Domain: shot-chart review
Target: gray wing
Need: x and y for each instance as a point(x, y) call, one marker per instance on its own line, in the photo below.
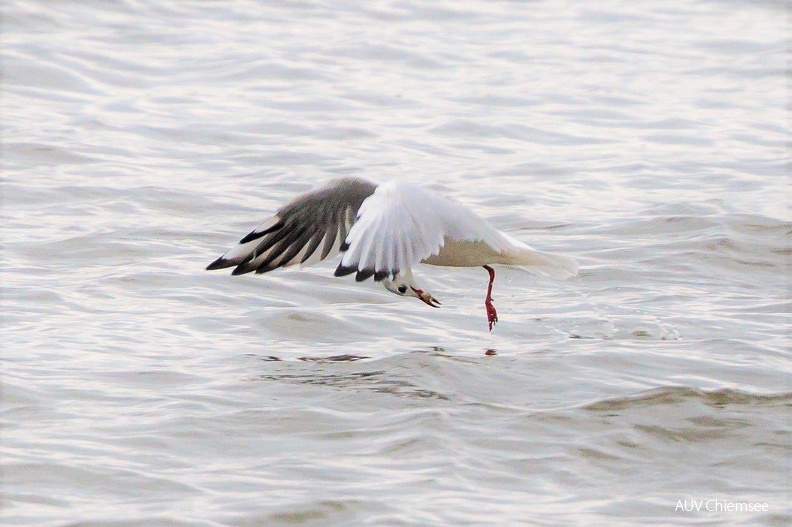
point(321, 217)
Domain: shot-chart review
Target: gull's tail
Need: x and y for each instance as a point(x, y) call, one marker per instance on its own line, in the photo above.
point(548, 264)
point(539, 262)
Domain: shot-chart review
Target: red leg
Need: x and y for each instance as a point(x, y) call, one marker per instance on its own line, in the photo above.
point(492, 315)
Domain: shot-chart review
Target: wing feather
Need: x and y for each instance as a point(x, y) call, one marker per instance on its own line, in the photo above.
point(401, 224)
point(298, 229)
point(311, 247)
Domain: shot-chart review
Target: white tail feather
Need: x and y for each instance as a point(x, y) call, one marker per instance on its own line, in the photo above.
point(553, 265)
point(542, 263)
point(538, 262)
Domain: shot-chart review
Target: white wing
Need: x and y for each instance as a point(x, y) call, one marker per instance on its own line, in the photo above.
point(401, 224)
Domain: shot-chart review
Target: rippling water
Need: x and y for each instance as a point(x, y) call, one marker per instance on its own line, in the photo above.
point(650, 140)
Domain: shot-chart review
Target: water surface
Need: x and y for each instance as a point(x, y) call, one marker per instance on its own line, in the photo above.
point(649, 140)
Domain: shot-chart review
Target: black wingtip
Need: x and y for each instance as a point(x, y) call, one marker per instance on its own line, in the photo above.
point(379, 276)
point(256, 235)
point(220, 263)
point(343, 270)
point(364, 274)
point(344, 247)
point(240, 269)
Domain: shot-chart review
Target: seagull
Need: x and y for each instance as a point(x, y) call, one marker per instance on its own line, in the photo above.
point(383, 230)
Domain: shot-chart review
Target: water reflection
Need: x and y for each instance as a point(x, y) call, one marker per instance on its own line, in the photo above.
point(378, 381)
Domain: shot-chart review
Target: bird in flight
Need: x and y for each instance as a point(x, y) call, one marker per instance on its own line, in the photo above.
point(383, 230)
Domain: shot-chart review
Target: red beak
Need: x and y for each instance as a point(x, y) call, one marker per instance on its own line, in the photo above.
point(428, 299)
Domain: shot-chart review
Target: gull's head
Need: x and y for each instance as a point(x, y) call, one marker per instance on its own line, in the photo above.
point(406, 286)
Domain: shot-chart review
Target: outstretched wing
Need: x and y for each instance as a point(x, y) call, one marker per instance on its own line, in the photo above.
point(401, 224)
point(319, 218)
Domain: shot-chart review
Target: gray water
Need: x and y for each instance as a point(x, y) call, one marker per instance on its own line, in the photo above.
point(649, 140)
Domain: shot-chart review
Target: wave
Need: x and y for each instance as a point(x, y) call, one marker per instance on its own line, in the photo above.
point(678, 394)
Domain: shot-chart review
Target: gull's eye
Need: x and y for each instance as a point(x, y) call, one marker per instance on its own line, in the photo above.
point(402, 289)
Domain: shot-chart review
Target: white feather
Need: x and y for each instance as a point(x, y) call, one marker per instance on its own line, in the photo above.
point(402, 224)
